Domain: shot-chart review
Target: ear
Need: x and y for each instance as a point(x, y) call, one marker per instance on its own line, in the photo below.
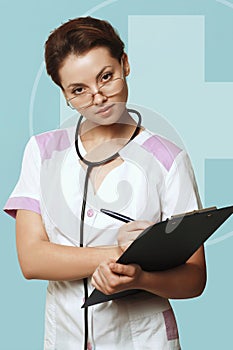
point(126, 65)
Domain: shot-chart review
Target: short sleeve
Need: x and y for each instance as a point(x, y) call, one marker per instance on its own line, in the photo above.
point(180, 191)
point(26, 194)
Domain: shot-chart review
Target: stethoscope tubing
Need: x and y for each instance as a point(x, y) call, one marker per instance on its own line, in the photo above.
point(90, 166)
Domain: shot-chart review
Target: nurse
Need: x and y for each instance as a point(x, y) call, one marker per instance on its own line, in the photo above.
point(107, 160)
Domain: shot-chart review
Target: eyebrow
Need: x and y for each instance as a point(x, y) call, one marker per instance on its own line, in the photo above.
point(97, 77)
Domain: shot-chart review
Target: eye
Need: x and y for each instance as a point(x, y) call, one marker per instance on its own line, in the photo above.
point(79, 90)
point(106, 77)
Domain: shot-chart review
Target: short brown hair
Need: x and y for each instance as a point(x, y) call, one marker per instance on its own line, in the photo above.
point(78, 36)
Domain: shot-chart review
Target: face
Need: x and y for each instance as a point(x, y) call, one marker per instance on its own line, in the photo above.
point(86, 74)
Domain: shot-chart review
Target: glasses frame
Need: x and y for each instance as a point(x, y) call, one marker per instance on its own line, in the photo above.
point(98, 91)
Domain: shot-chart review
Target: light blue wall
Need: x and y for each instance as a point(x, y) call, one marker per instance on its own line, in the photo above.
point(181, 56)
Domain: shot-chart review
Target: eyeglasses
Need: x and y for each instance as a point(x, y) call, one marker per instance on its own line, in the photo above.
point(85, 99)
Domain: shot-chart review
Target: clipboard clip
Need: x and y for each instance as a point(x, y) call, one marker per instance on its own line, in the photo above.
point(194, 212)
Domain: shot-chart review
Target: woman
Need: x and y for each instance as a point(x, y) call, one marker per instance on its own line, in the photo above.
point(108, 161)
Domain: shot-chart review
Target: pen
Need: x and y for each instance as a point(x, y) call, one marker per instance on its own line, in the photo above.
point(117, 216)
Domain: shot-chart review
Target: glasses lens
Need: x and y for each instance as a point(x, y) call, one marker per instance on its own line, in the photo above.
point(81, 101)
point(112, 87)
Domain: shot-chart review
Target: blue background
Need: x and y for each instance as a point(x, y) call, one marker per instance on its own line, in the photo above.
point(181, 56)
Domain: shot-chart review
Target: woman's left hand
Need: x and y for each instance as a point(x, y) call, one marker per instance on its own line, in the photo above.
point(111, 277)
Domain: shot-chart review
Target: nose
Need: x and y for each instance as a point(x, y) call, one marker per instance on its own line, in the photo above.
point(99, 98)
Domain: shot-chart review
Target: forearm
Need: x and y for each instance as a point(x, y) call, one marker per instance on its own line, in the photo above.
point(49, 261)
point(41, 259)
point(185, 281)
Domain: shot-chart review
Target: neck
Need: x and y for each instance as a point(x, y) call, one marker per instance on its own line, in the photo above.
point(95, 132)
point(101, 142)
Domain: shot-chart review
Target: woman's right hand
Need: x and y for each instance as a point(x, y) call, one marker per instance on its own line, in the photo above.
point(130, 231)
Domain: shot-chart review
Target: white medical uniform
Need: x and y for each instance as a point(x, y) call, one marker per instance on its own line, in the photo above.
point(154, 181)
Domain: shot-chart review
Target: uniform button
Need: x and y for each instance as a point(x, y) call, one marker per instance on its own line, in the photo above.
point(90, 213)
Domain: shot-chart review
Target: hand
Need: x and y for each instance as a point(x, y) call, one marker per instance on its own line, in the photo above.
point(110, 277)
point(130, 231)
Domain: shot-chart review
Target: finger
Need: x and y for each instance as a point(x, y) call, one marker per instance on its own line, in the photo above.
point(128, 240)
point(133, 234)
point(127, 237)
point(95, 280)
point(120, 269)
point(108, 283)
point(101, 273)
point(138, 225)
point(99, 281)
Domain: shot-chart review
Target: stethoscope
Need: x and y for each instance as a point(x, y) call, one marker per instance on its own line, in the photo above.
point(90, 166)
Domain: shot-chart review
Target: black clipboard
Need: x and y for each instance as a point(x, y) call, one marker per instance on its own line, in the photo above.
point(168, 244)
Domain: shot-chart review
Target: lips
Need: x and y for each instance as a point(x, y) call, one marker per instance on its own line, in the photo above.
point(104, 109)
